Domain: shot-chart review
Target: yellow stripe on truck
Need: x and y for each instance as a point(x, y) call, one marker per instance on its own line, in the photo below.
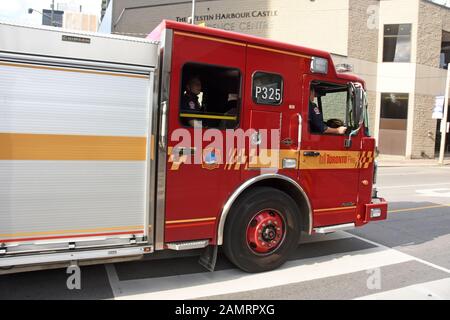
point(273, 158)
point(207, 116)
point(331, 160)
point(19, 146)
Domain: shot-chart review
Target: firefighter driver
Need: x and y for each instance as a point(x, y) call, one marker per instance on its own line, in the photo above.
point(190, 100)
point(316, 119)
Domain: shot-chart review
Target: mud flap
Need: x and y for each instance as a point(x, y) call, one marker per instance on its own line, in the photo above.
point(209, 258)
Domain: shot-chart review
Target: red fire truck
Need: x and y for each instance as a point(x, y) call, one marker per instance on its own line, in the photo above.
point(107, 153)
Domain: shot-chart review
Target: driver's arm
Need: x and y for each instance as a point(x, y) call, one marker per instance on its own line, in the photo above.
point(340, 130)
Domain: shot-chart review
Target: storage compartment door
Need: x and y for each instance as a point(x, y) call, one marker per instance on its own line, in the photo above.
point(73, 156)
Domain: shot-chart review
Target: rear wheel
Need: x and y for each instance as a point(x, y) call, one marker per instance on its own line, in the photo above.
point(261, 230)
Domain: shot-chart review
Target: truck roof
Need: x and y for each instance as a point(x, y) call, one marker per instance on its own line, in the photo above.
point(249, 39)
point(74, 44)
point(77, 32)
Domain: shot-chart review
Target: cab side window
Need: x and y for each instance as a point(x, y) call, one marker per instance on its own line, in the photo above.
point(328, 107)
point(210, 96)
point(334, 107)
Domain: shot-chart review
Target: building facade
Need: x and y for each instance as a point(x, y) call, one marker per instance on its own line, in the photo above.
point(400, 47)
point(76, 19)
point(80, 21)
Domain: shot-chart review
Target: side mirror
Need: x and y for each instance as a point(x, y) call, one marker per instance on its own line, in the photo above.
point(358, 104)
point(358, 98)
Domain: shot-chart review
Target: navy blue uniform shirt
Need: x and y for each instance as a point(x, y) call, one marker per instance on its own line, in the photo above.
point(315, 119)
point(190, 103)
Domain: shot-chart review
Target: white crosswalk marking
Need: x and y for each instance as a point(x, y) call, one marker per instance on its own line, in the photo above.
point(433, 290)
point(231, 281)
point(204, 284)
point(413, 185)
point(440, 192)
point(411, 257)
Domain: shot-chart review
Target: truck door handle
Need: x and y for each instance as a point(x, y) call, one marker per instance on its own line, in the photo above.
point(311, 154)
point(163, 130)
point(299, 136)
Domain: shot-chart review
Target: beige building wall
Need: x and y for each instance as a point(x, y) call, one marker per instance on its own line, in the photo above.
point(306, 23)
point(430, 80)
point(301, 22)
point(363, 30)
point(363, 48)
point(397, 77)
point(80, 21)
point(421, 78)
point(423, 143)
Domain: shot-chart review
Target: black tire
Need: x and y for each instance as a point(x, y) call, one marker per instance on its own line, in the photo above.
point(235, 243)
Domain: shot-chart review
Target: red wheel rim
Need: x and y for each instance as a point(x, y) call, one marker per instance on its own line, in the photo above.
point(266, 231)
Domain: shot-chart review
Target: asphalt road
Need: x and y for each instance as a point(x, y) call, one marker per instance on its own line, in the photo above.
point(404, 257)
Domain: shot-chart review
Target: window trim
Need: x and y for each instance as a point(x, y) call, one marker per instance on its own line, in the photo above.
point(180, 111)
point(282, 88)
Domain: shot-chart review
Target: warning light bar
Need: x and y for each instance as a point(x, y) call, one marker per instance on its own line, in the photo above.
point(344, 67)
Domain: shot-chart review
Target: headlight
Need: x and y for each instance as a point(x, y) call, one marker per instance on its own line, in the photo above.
point(375, 213)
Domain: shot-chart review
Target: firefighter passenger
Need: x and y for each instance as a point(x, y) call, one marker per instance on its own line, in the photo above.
point(190, 100)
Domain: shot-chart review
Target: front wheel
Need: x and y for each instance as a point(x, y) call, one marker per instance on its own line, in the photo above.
point(262, 229)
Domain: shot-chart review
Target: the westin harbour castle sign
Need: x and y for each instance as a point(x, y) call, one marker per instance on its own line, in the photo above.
point(236, 21)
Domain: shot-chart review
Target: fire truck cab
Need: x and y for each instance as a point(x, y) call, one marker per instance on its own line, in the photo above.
point(193, 138)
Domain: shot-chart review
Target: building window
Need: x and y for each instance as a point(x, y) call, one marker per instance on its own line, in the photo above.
point(445, 50)
point(267, 88)
point(397, 43)
point(393, 123)
point(210, 96)
point(394, 106)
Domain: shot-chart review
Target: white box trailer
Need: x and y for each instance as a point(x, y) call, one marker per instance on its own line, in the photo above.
point(75, 132)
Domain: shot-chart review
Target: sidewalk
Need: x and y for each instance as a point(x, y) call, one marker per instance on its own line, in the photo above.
point(400, 161)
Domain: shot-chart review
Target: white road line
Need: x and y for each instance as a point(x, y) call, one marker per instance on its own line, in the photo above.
point(411, 173)
point(115, 283)
point(113, 279)
point(191, 286)
point(410, 256)
point(413, 185)
point(414, 173)
point(433, 193)
point(402, 174)
point(233, 280)
point(433, 290)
